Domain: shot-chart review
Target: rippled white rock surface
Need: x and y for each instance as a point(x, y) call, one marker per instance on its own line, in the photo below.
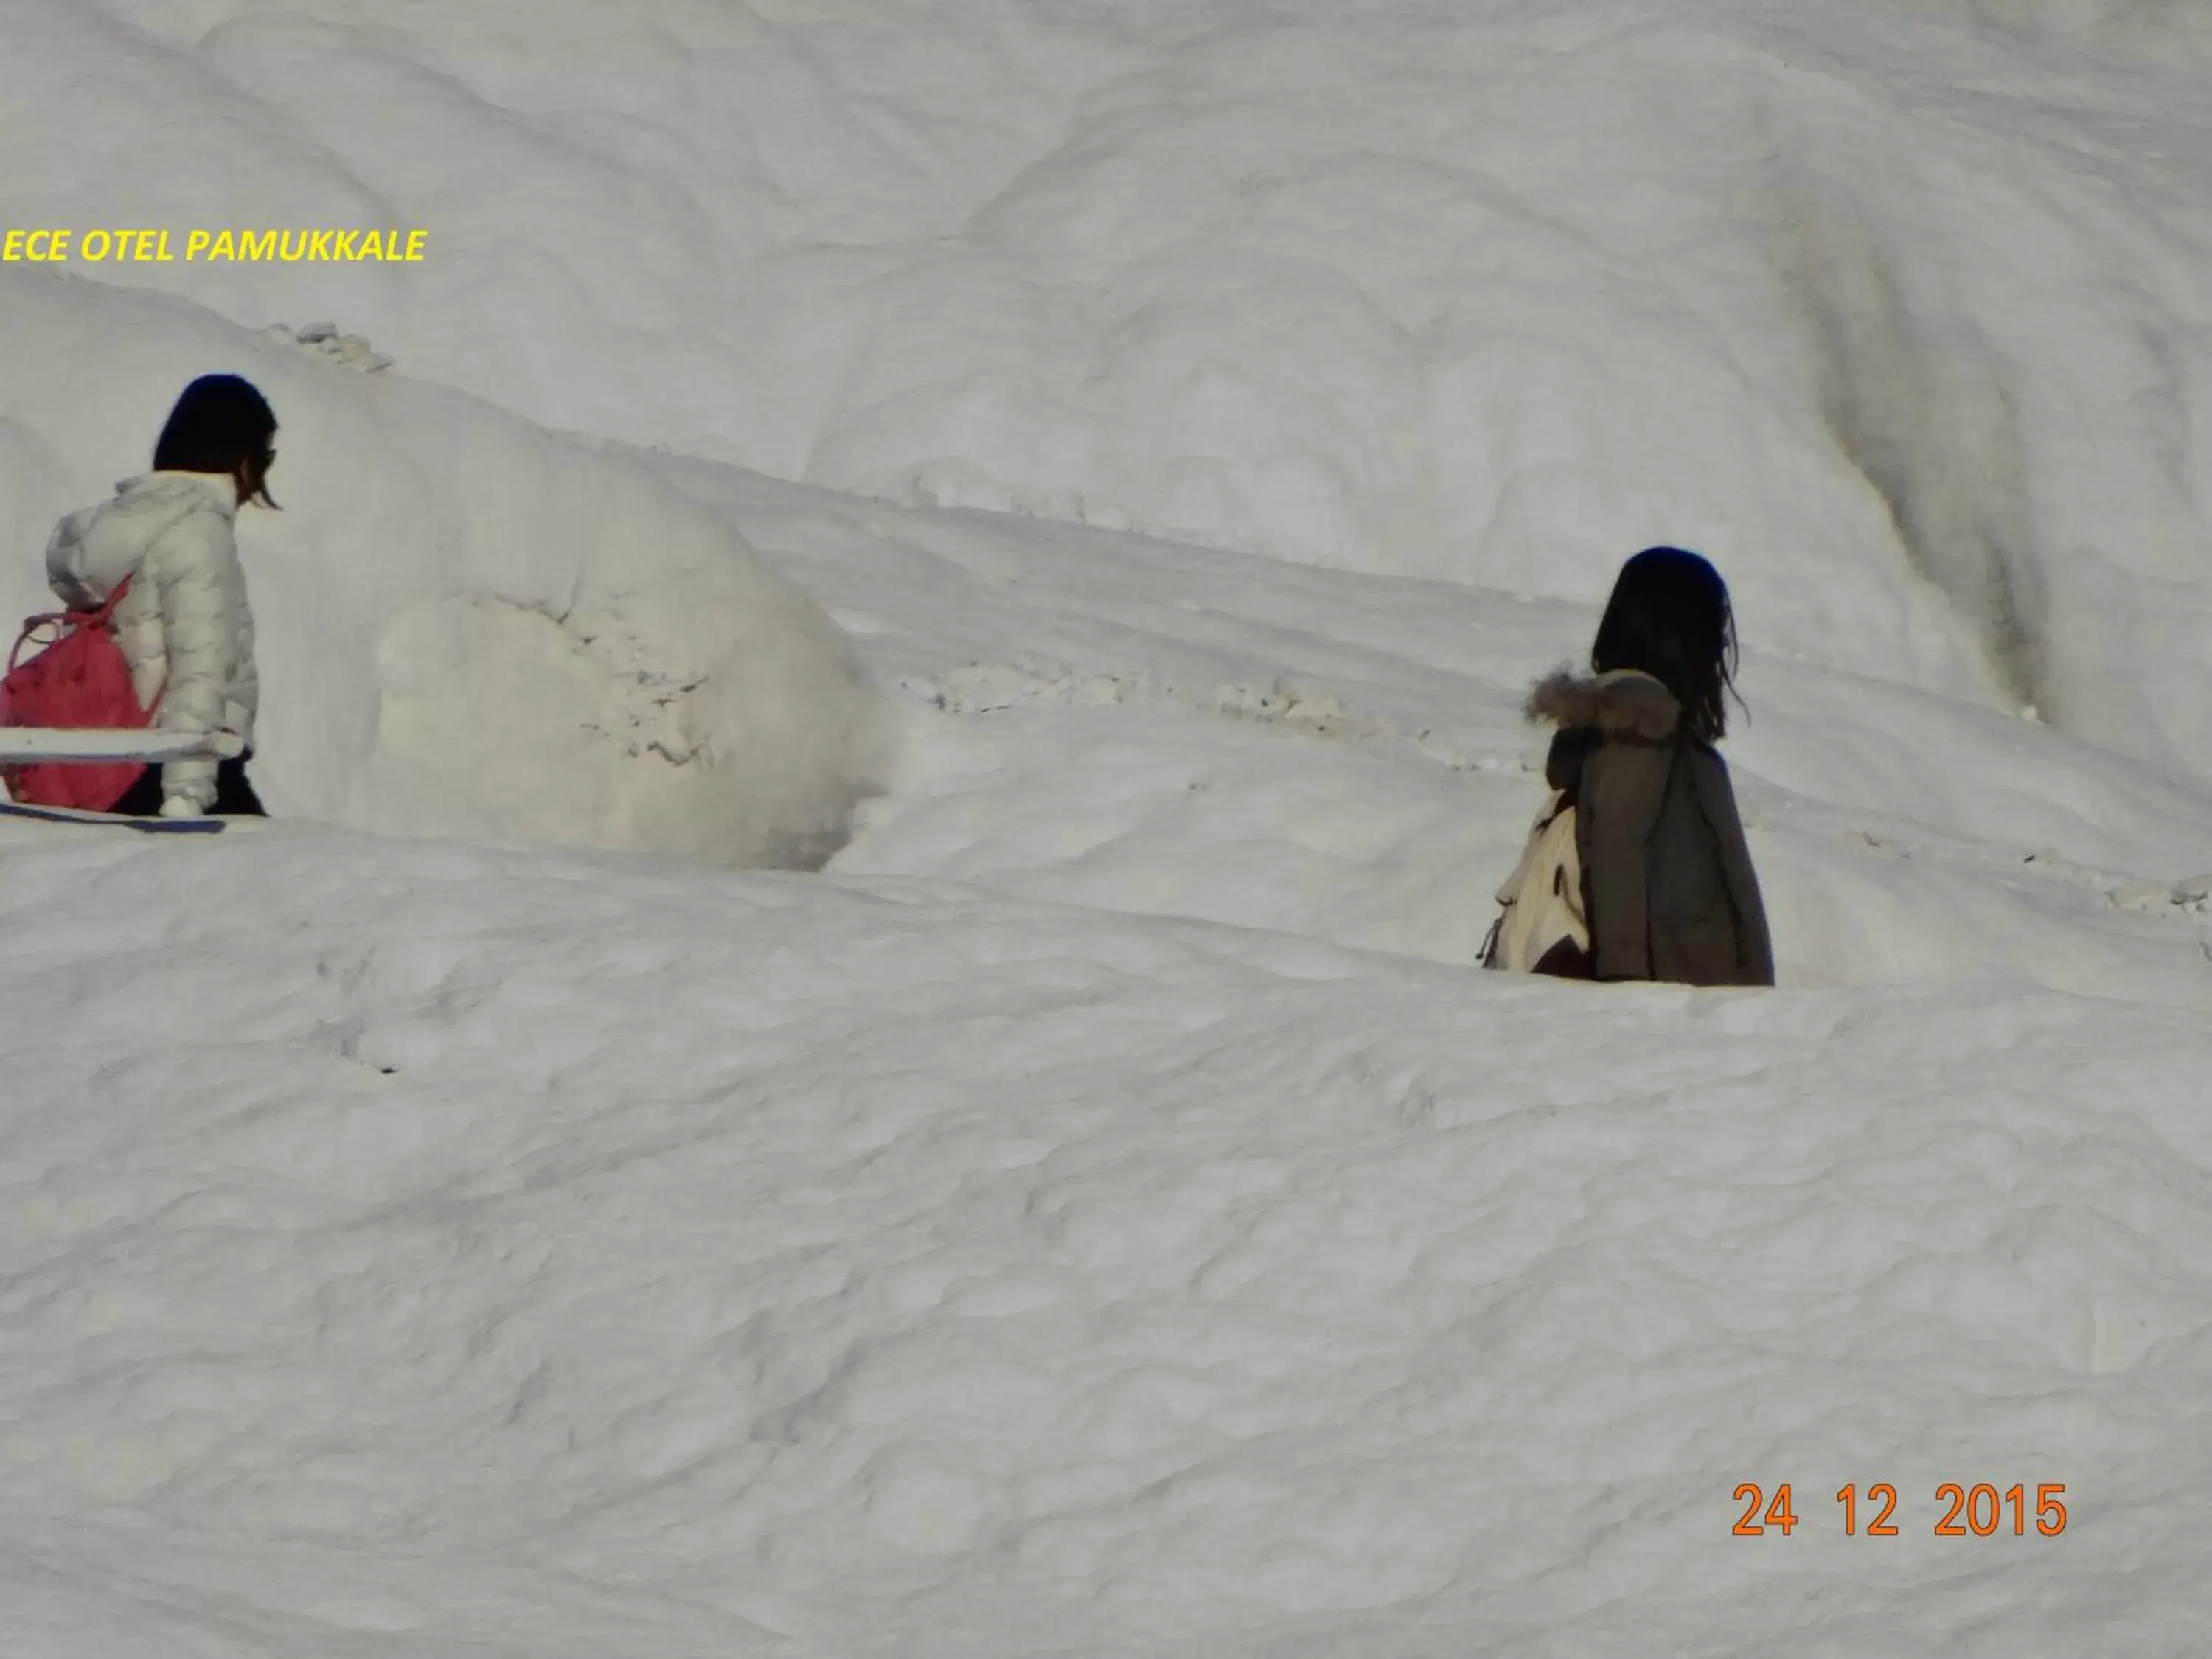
point(412, 1249)
point(1896, 309)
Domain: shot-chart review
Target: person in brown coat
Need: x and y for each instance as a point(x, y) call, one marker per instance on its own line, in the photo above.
point(1668, 883)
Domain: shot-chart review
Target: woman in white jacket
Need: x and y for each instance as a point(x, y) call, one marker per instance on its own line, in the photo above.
point(185, 628)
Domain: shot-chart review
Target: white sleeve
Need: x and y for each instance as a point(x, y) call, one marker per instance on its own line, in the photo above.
point(195, 571)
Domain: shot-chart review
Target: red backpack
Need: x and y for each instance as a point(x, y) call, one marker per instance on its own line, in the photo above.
point(80, 681)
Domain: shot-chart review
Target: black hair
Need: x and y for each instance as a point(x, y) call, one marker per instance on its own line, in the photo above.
point(1669, 617)
point(221, 424)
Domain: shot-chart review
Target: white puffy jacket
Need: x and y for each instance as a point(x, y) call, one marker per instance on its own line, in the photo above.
point(184, 627)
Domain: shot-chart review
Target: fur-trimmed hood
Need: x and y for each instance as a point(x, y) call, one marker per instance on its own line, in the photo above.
point(1625, 701)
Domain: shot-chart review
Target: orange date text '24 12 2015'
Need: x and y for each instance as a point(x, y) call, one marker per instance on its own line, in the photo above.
point(1978, 1511)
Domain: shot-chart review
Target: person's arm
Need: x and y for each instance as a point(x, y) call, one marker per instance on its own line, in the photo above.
point(195, 570)
point(1623, 782)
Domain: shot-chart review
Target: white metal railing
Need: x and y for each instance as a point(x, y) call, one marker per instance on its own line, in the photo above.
point(21, 745)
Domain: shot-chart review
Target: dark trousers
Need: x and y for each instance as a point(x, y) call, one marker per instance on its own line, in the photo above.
point(234, 795)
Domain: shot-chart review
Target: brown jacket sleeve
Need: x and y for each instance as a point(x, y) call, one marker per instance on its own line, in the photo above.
point(1755, 946)
point(1623, 785)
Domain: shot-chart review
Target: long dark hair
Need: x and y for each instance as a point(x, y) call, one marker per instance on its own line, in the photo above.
point(1669, 617)
point(221, 424)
